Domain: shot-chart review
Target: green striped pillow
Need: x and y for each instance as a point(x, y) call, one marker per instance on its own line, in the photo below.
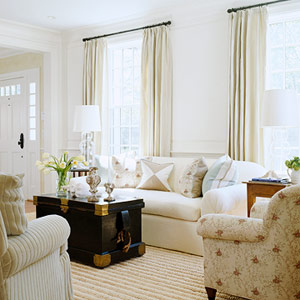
point(222, 173)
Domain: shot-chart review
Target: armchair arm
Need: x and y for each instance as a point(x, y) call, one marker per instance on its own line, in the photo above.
point(259, 208)
point(3, 237)
point(42, 237)
point(233, 228)
point(223, 200)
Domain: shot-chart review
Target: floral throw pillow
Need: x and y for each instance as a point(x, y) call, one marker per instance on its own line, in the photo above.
point(127, 172)
point(190, 182)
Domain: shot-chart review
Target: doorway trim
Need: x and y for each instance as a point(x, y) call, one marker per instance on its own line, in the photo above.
point(35, 39)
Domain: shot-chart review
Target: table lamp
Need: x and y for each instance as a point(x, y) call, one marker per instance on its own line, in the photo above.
point(87, 121)
point(280, 110)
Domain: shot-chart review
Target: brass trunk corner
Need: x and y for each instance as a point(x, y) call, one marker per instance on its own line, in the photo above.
point(64, 205)
point(101, 210)
point(35, 200)
point(102, 261)
point(142, 249)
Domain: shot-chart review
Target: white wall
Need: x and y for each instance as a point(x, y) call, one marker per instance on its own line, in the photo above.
point(200, 59)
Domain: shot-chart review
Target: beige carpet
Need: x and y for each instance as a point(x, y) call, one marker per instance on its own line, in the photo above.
point(159, 274)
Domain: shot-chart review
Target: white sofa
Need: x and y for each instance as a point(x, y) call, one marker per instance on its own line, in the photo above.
point(169, 219)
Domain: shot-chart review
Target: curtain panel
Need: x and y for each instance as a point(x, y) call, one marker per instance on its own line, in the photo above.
point(94, 72)
point(156, 101)
point(248, 37)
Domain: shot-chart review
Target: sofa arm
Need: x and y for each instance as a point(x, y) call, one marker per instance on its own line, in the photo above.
point(259, 208)
point(3, 237)
point(223, 200)
point(42, 237)
point(233, 228)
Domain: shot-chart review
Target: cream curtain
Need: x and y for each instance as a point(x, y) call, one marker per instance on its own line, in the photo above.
point(94, 72)
point(156, 104)
point(248, 36)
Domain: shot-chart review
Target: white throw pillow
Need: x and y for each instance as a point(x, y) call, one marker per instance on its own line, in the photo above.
point(155, 176)
point(12, 203)
point(222, 173)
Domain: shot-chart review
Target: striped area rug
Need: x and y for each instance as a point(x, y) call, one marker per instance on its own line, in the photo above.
point(158, 275)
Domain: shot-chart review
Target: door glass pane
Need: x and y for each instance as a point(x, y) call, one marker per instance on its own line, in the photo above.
point(32, 123)
point(2, 91)
point(32, 134)
point(18, 89)
point(32, 89)
point(32, 100)
point(7, 88)
point(32, 111)
point(13, 89)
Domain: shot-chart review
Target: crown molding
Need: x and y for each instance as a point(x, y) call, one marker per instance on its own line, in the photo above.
point(28, 34)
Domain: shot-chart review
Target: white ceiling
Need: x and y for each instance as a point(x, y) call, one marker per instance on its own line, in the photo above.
point(77, 13)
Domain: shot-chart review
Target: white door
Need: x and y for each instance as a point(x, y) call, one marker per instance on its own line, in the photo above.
point(19, 131)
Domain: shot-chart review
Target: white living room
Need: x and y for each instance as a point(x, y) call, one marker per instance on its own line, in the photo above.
point(150, 150)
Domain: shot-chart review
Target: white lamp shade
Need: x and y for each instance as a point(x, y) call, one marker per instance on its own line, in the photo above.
point(87, 118)
point(280, 109)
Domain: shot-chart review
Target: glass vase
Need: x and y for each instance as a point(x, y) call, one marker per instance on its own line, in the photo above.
point(62, 180)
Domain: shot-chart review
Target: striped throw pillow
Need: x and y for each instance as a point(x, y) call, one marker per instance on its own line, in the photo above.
point(222, 173)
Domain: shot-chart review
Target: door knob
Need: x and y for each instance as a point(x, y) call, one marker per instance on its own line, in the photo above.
point(21, 141)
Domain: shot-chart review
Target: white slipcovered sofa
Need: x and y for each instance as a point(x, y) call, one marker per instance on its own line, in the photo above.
point(169, 219)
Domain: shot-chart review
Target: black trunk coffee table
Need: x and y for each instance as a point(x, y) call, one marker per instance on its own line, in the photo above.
point(101, 233)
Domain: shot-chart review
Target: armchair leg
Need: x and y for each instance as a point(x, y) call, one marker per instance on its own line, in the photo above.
point(211, 293)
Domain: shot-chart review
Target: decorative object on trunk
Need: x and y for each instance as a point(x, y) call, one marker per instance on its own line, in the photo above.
point(93, 180)
point(109, 187)
point(62, 166)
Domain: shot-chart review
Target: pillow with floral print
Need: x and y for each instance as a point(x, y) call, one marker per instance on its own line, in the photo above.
point(127, 171)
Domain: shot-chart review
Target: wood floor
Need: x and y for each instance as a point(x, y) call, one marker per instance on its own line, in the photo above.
point(29, 207)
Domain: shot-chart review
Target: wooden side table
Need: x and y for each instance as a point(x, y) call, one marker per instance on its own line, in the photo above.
point(261, 189)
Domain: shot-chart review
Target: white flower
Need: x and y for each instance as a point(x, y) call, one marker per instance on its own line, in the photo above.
point(86, 163)
point(45, 155)
point(79, 158)
point(46, 171)
point(62, 165)
point(41, 167)
point(66, 153)
point(38, 163)
point(75, 163)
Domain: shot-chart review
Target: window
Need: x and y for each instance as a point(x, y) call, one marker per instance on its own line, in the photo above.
point(283, 72)
point(124, 100)
point(32, 111)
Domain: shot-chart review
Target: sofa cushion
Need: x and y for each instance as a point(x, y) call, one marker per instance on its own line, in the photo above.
point(155, 176)
point(221, 174)
point(166, 204)
point(190, 182)
point(12, 203)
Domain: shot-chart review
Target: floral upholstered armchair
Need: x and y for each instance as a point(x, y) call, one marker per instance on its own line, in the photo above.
point(251, 257)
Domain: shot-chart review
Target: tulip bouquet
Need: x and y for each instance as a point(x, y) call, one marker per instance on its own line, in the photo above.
point(61, 165)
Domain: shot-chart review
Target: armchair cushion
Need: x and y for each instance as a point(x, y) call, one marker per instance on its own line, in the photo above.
point(43, 236)
point(12, 203)
point(234, 228)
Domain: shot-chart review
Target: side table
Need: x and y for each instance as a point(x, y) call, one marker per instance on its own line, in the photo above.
point(261, 189)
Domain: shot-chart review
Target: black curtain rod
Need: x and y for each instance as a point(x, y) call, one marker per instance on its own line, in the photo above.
point(255, 5)
point(125, 31)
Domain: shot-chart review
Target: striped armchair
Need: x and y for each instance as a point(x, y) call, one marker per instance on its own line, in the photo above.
point(255, 258)
point(35, 264)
